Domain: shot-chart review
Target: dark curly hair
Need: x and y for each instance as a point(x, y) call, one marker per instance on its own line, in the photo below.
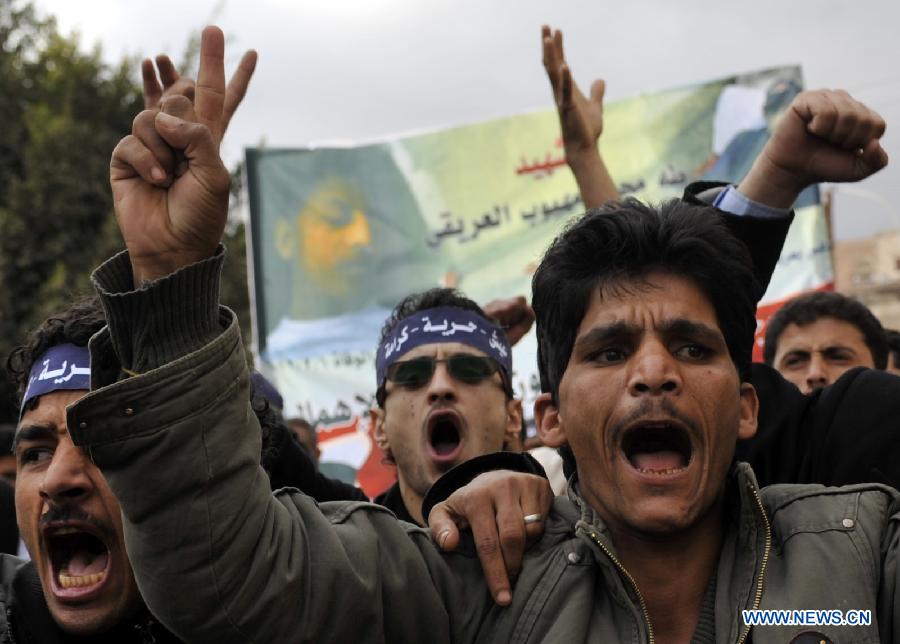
point(75, 326)
point(430, 299)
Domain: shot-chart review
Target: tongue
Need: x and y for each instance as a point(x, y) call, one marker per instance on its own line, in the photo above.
point(86, 563)
point(444, 447)
point(658, 461)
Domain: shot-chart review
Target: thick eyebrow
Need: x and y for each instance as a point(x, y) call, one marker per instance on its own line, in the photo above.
point(838, 347)
point(604, 333)
point(675, 327)
point(33, 433)
point(692, 329)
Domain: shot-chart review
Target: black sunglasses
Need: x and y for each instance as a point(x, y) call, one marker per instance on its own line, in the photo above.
point(417, 372)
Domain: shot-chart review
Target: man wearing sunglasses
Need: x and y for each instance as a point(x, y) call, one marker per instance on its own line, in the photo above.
point(444, 393)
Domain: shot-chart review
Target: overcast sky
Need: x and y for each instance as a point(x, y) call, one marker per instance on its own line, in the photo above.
point(350, 70)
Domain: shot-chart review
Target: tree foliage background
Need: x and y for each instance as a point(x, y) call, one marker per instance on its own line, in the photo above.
point(62, 111)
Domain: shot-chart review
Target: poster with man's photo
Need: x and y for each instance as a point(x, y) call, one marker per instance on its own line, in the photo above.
point(341, 234)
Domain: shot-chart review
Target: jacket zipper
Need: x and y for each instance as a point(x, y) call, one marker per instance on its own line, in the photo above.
point(9, 626)
point(627, 575)
point(757, 599)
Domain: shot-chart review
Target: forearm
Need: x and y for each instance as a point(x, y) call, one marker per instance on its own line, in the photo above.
point(767, 185)
point(185, 462)
point(187, 500)
point(216, 556)
point(764, 235)
point(164, 320)
point(592, 176)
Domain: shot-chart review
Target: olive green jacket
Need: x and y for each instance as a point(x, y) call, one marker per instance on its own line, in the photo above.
point(219, 558)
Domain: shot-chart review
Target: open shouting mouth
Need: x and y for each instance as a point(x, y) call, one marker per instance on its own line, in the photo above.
point(79, 560)
point(658, 447)
point(444, 436)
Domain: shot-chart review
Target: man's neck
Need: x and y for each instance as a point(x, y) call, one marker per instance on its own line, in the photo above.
point(412, 500)
point(672, 573)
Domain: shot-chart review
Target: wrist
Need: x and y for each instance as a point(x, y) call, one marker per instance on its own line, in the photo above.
point(150, 268)
point(771, 185)
point(583, 157)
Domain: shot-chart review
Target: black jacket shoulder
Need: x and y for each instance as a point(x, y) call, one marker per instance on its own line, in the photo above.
point(843, 434)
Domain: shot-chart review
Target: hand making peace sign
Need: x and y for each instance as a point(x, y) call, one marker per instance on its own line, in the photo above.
point(170, 187)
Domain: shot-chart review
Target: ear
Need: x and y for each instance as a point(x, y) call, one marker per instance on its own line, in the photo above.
point(546, 418)
point(511, 436)
point(376, 417)
point(749, 411)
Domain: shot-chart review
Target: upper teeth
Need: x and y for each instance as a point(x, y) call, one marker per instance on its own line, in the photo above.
point(69, 581)
point(674, 470)
point(67, 531)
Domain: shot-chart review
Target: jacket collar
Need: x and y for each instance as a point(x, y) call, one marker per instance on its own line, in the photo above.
point(392, 499)
point(745, 547)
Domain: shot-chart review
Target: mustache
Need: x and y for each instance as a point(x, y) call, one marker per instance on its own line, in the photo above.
point(653, 409)
point(69, 512)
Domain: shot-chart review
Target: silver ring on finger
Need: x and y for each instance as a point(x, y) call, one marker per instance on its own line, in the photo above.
point(533, 518)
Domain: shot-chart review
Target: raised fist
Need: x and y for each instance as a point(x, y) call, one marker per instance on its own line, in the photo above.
point(825, 135)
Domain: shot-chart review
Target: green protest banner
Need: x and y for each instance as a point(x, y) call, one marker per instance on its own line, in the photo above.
point(341, 234)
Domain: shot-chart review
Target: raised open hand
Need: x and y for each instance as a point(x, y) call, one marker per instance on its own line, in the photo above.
point(172, 215)
point(580, 118)
point(170, 83)
point(825, 135)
